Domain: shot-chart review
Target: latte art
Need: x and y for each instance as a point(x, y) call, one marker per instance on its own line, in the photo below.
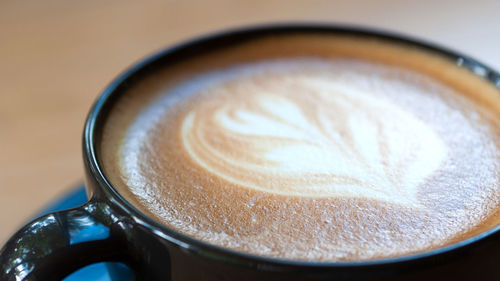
point(299, 134)
point(334, 149)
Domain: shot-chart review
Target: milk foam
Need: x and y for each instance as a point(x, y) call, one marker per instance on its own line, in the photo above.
point(307, 158)
point(298, 133)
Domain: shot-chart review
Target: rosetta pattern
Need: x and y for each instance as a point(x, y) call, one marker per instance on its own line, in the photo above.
point(305, 134)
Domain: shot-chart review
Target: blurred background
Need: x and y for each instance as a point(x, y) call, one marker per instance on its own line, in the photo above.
point(56, 56)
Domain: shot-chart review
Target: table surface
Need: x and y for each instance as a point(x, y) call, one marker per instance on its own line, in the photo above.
point(57, 56)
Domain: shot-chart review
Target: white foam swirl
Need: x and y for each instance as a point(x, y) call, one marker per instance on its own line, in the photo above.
point(288, 132)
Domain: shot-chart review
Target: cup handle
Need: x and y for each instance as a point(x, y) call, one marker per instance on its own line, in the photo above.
point(55, 245)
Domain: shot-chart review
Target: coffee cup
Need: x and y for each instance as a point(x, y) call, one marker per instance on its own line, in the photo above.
point(298, 152)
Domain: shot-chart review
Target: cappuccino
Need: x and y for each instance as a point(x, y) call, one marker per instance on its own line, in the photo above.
point(311, 147)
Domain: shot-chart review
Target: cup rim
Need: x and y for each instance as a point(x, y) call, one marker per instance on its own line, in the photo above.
point(105, 100)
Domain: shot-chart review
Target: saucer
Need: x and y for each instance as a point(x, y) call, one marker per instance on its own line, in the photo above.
point(104, 271)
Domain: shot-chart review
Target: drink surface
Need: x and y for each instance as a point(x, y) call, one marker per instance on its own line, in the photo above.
point(311, 147)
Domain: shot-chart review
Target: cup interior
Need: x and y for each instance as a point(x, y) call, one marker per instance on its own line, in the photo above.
point(173, 55)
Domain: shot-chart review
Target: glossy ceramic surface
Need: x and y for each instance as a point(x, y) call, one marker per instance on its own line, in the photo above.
point(104, 271)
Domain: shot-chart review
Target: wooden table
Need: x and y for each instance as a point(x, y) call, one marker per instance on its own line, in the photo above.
point(56, 56)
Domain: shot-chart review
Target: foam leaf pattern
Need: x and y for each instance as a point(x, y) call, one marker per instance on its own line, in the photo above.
point(312, 136)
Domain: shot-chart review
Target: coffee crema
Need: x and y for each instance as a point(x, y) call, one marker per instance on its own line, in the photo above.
point(309, 147)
